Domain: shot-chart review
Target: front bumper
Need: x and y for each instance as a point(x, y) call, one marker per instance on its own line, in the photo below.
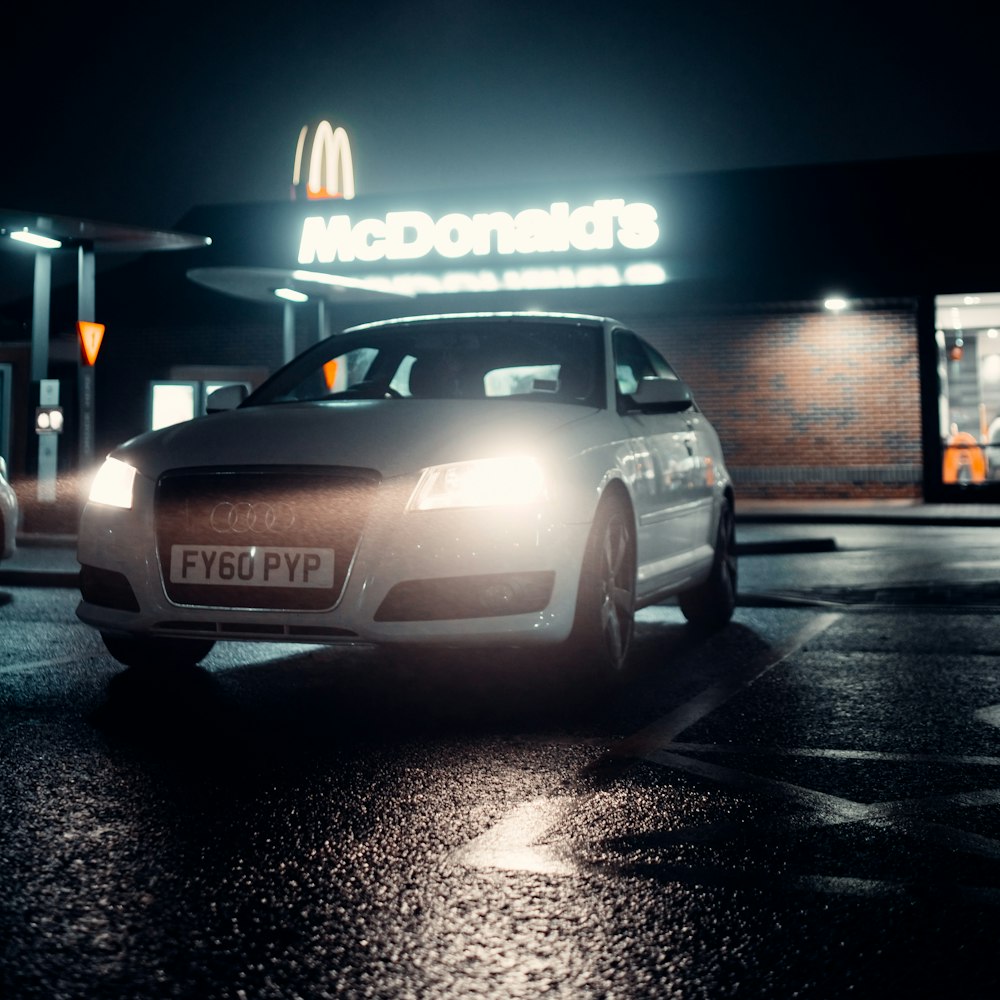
point(457, 577)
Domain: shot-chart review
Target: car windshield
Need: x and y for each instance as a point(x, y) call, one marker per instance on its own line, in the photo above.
point(556, 362)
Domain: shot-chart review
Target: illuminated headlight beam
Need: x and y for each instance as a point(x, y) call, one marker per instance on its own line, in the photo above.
point(515, 481)
point(113, 484)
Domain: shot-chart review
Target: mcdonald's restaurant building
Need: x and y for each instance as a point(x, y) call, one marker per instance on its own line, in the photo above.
point(840, 324)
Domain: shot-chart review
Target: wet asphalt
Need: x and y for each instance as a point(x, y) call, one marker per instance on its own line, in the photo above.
point(806, 804)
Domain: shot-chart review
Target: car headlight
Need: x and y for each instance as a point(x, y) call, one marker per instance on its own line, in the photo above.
point(490, 482)
point(113, 484)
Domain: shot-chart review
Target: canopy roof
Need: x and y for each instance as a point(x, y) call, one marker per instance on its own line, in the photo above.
point(102, 237)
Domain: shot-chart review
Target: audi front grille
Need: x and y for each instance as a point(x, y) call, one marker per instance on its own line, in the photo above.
point(260, 538)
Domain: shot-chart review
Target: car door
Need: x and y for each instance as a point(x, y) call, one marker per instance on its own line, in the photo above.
point(671, 490)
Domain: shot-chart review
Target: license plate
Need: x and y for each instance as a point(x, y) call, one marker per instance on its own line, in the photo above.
point(251, 566)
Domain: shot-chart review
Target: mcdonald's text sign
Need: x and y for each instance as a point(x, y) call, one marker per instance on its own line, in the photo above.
point(602, 225)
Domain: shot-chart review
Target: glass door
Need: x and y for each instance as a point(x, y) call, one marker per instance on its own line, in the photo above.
point(967, 332)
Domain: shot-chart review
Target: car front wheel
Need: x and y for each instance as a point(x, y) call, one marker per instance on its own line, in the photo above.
point(134, 651)
point(602, 629)
point(711, 604)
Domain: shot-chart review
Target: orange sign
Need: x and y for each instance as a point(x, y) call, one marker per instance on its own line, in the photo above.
point(91, 335)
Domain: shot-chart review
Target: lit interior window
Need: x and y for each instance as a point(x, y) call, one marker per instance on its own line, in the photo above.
point(172, 404)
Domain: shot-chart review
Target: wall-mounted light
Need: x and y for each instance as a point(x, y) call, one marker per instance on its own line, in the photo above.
point(35, 239)
point(291, 295)
point(835, 304)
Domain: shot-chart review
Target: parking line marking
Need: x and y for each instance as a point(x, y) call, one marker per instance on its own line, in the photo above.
point(832, 808)
point(909, 817)
point(877, 756)
point(664, 731)
point(514, 844)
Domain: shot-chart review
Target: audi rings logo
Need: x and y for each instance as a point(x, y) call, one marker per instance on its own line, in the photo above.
point(244, 518)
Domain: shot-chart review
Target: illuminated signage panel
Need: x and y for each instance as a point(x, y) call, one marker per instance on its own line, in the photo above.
point(519, 279)
point(551, 243)
point(605, 224)
point(91, 335)
point(331, 166)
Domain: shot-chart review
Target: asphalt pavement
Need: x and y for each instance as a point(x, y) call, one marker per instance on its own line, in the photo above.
point(49, 559)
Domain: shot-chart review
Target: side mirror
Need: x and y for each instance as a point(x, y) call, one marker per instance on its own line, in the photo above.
point(226, 397)
point(661, 395)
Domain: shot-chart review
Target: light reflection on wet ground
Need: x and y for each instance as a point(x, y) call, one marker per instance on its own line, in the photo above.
point(312, 823)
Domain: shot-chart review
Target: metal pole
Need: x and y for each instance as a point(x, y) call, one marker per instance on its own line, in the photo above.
point(321, 320)
point(86, 308)
point(85, 293)
point(48, 389)
point(40, 316)
point(48, 446)
point(289, 332)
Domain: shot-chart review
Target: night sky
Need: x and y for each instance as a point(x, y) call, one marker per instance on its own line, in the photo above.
point(138, 115)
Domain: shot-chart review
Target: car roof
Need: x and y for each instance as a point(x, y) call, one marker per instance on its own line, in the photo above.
point(555, 317)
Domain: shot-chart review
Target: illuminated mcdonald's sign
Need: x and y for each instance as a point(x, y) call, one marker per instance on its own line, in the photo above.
point(602, 225)
point(330, 166)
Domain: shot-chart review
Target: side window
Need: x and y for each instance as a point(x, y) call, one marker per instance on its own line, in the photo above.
point(659, 363)
point(636, 360)
point(632, 362)
point(626, 381)
point(343, 372)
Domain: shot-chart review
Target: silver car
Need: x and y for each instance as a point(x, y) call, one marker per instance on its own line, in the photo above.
point(505, 479)
point(8, 514)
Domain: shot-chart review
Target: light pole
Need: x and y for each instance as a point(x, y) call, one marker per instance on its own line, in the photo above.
point(46, 390)
point(85, 310)
point(52, 233)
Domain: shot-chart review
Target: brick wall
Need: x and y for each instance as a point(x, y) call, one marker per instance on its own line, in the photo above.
point(808, 405)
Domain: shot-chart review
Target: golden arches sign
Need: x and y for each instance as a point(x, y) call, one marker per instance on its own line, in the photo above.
point(331, 168)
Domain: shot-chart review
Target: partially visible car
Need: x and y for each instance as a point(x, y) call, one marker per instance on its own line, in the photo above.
point(8, 514)
point(992, 450)
point(501, 479)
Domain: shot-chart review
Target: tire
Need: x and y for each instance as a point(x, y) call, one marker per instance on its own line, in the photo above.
point(711, 604)
point(598, 646)
point(133, 651)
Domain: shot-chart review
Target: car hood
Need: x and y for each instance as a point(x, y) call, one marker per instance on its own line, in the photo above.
point(392, 436)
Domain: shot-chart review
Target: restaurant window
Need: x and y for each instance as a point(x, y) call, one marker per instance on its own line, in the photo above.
point(173, 401)
point(967, 332)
